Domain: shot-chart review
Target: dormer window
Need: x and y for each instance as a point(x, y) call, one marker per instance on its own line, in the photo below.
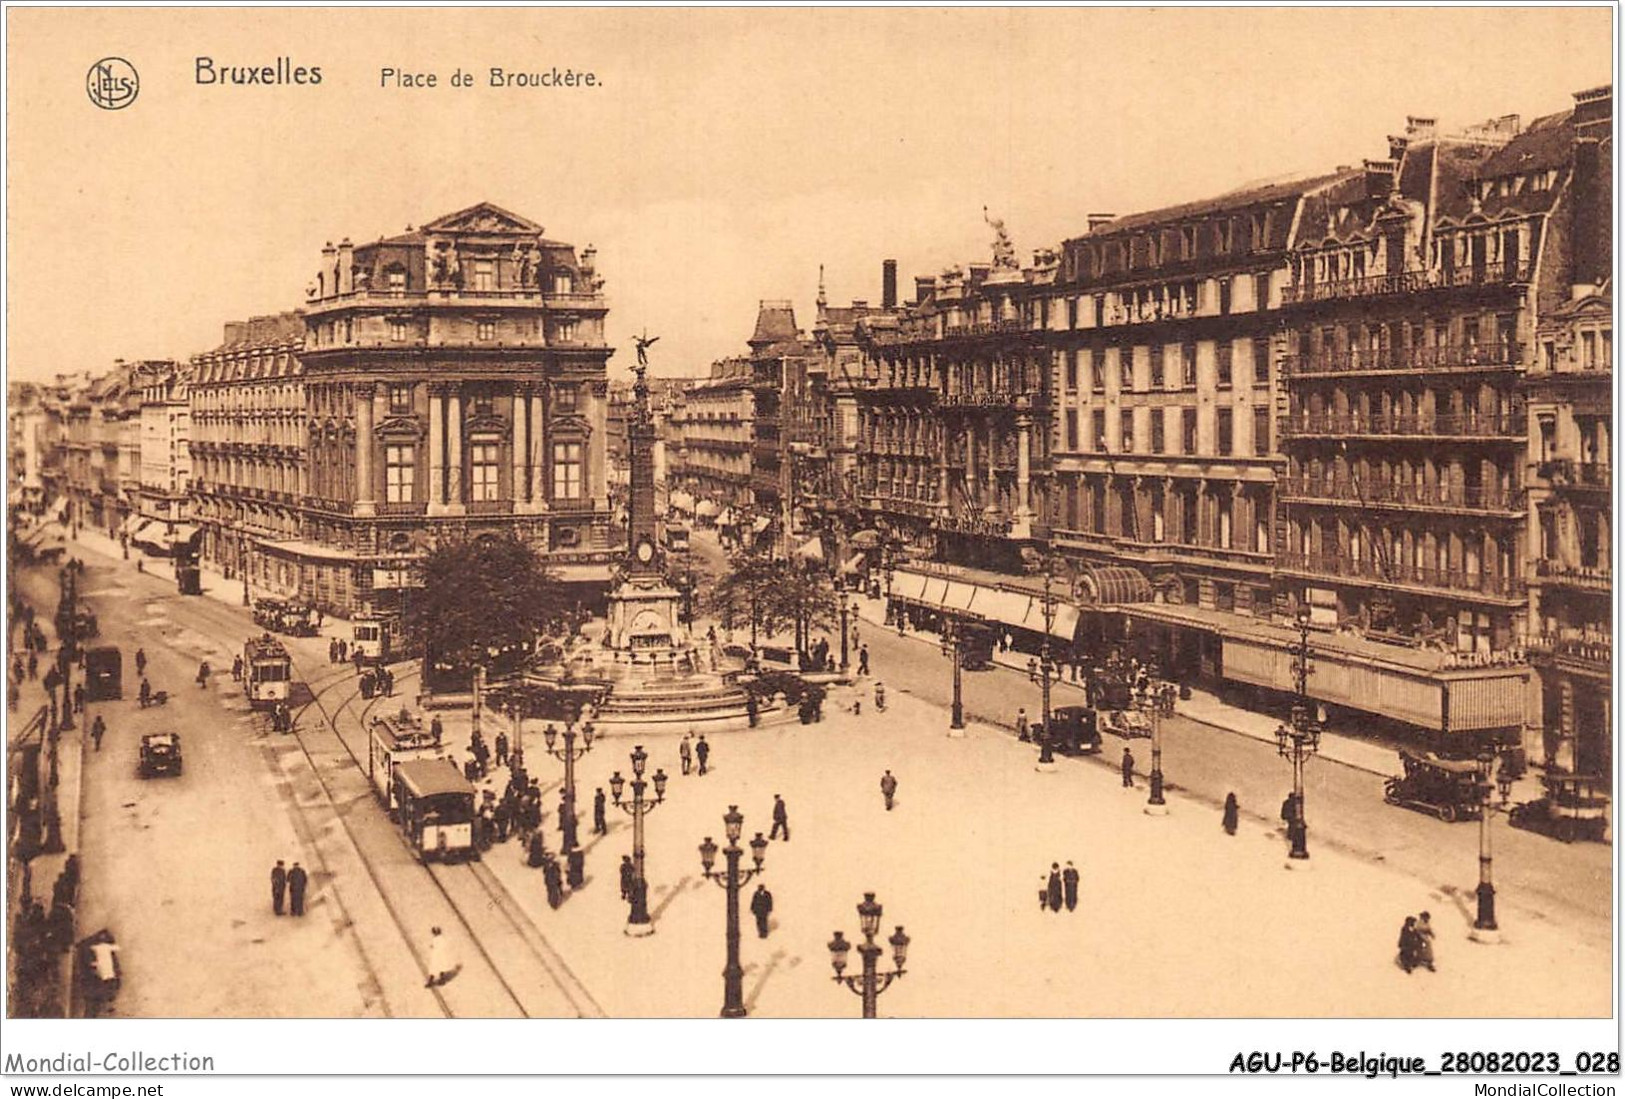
point(1187, 242)
point(395, 277)
point(563, 283)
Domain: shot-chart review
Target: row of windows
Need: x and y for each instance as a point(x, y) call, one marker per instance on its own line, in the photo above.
point(1165, 244)
point(485, 465)
point(1224, 427)
point(1165, 363)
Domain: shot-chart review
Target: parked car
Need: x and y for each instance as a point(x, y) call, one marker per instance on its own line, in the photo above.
point(160, 754)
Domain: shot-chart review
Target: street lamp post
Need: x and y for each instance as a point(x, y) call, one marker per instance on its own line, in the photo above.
point(952, 646)
point(1155, 805)
point(243, 561)
point(733, 880)
point(869, 984)
point(1300, 741)
point(638, 922)
point(569, 753)
point(853, 611)
point(1485, 929)
point(1046, 755)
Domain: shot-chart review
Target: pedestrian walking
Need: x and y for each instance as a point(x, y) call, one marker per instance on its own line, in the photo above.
point(1032, 669)
point(144, 695)
point(781, 819)
point(79, 698)
point(442, 965)
point(502, 749)
point(880, 697)
point(685, 752)
point(536, 847)
point(1021, 723)
point(203, 675)
point(33, 664)
point(599, 825)
point(1052, 887)
point(1128, 769)
point(888, 789)
point(761, 906)
point(359, 659)
point(296, 890)
point(702, 752)
point(140, 663)
point(863, 660)
point(555, 885)
point(279, 886)
point(98, 729)
point(436, 729)
point(1409, 945)
point(236, 669)
point(629, 877)
point(332, 650)
point(1232, 811)
point(1424, 941)
point(1069, 886)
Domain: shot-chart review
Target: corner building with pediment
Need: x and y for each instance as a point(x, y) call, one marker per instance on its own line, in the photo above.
point(454, 386)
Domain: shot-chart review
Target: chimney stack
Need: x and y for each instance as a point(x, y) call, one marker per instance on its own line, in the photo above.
point(1593, 221)
point(924, 287)
point(1380, 177)
point(1396, 146)
point(1098, 220)
point(1594, 111)
point(888, 284)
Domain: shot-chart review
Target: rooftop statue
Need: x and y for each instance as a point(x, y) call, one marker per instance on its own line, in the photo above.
point(1004, 253)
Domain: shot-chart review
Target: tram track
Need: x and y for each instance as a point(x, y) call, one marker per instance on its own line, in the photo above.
point(469, 892)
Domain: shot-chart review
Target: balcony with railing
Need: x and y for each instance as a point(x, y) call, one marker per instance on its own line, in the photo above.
point(1501, 426)
point(1407, 282)
point(1429, 497)
point(1567, 473)
point(490, 507)
point(1597, 578)
point(1397, 574)
point(402, 507)
point(1460, 358)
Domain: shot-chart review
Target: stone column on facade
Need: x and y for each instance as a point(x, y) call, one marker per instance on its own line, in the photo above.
point(365, 502)
point(538, 452)
point(1024, 428)
point(992, 466)
point(597, 457)
point(520, 480)
point(454, 453)
point(437, 451)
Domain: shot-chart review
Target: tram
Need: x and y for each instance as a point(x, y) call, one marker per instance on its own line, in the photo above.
point(397, 739)
point(374, 638)
point(436, 813)
point(267, 672)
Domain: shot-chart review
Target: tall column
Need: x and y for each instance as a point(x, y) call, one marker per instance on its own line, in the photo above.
point(992, 466)
point(454, 453)
point(538, 452)
point(365, 502)
point(1024, 504)
point(437, 451)
point(520, 480)
point(596, 457)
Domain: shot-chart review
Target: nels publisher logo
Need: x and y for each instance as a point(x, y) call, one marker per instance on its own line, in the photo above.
point(112, 83)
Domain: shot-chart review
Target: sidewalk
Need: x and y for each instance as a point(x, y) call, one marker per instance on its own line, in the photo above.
point(1203, 707)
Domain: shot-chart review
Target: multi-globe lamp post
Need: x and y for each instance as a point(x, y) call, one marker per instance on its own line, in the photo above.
point(569, 753)
point(733, 879)
point(870, 983)
point(953, 630)
point(1300, 740)
point(638, 922)
point(1485, 929)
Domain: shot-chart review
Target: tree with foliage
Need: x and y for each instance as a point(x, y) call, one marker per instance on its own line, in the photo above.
point(483, 599)
point(774, 595)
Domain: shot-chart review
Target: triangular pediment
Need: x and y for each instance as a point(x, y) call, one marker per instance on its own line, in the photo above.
point(483, 218)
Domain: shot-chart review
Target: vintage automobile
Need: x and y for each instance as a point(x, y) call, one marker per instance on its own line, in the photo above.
point(1076, 730)
point(1575, 807)
point(160, 754)
point(103, 674)
point(100, 974)
point(1450, 789)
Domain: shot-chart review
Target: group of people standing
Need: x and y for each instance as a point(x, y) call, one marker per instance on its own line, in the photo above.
point(1060, 887)
point(288, 885)
point(1416, 943)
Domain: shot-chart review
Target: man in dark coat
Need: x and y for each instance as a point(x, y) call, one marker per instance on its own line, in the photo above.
point(279, 885)
point(79, 698)
point(863, 660)
point(888, 788)
point(599, 825)
point(98, 729)
point(538, 849)
point(761, 906)
point(140, 663)
point(1069, 886)
point(1053, 888)
point(296, 890)
point(436, 728)
point(555, 886)
point(702, 752)
point(685, 753)
point(781, 819)
point(1232, 811)
point(502, 749)
point(629, 875)
point(1128, 769)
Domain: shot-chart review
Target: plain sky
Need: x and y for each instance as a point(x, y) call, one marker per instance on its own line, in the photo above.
point(723, 157)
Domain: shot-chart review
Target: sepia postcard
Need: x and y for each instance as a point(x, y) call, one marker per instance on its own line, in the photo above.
point(1084, 534)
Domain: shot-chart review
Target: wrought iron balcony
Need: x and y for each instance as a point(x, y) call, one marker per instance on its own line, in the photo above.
point(1402, 575)
point(402, 507)
point(1567, 473)
point(1591, 650)
point(1462, 358)
point(1460, 425)
point(1407, 282)
point(1398, 495)
point(1560, 573)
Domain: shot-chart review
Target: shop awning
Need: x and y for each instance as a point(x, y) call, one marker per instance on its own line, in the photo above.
point(852, 564)
point(811, 550)
point(1005, 607)
point(581, 574)
point(132, 523)
point(866, 539)
point(705, 508)
point(1064, 625)
point(682, 501)
point(760, 525)
point(1114, 584)
point(909, 586)
point(183, 533)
